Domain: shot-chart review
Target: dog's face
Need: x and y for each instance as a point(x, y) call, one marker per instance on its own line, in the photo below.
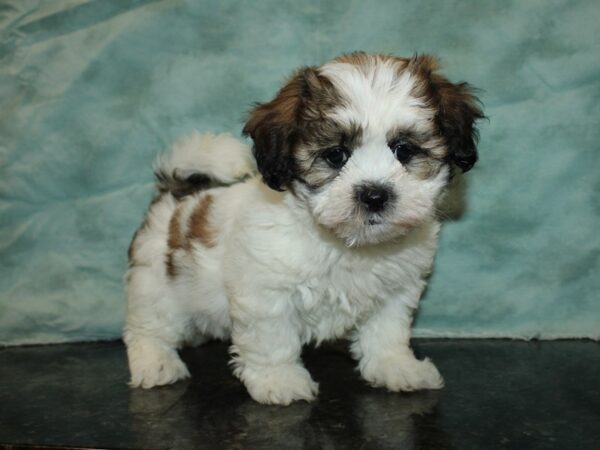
point(368, 142)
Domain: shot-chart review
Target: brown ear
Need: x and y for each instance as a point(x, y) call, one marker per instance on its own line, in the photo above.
point(275, 128)
point(458, 110)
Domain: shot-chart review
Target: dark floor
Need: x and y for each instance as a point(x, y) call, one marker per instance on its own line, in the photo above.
point(498, 394)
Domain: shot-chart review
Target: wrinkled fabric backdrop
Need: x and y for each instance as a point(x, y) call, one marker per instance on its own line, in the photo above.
point(91, 91)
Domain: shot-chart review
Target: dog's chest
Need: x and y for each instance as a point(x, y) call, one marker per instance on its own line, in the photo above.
point(343, 294)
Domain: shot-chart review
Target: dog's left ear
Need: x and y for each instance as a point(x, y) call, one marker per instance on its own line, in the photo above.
point(458, 110)
point(275, 127)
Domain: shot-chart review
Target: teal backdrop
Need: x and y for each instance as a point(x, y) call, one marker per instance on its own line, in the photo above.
point(92, 90)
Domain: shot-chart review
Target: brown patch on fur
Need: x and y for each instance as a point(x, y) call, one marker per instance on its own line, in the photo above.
point(199, 226)
point(283, 109)
point(175, 241)
point(279, 126)
point(429, 151)
point(180, 187)
point(170, 264)
point(457, 109)
point(312, 167)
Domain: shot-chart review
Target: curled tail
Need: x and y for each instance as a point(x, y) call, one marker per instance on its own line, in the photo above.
point(201, 161)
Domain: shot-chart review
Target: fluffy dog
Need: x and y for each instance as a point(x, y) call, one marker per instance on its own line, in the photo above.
point(333, 238)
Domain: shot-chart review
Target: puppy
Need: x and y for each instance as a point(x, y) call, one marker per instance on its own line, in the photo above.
point(333, 238)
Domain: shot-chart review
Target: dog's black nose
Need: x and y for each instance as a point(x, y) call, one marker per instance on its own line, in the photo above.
point(373, 197)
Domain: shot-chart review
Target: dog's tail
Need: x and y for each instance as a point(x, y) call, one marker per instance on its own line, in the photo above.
point(201, 161)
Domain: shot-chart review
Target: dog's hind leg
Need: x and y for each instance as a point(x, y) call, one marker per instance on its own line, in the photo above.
point(152, 362)
point(154, 330)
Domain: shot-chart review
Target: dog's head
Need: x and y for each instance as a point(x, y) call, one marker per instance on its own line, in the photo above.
point(367, 141)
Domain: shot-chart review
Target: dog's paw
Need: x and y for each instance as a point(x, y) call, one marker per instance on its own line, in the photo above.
point(402, 373)
point(154, 364)
point(279, 385)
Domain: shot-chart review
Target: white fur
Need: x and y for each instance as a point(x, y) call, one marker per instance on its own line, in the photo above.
point(289, 269)
point(220, 156)
point(378, 101)
point(378, 98)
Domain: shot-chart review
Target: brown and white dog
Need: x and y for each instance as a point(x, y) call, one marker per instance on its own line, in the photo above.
point(333, 239)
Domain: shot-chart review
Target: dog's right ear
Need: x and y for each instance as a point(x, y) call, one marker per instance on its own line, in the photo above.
point(275, 128)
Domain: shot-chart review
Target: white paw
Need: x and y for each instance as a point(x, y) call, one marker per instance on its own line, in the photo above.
point(402, 373)
point(278, 385)
point(153, 363)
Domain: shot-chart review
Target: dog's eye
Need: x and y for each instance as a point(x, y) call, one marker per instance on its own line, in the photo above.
point(403, 151)
point(336, 157)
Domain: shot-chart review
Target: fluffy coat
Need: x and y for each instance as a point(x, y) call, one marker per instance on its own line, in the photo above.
point(333, 238)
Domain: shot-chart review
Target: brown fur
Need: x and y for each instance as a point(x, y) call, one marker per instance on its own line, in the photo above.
point(426, 163)
point(290, 131)
point(456, 105)
point(175, 241)
point(278, 127)
point(199, 226)
point(198, 229)
point(170, 264)
point(312, 169)
point(457, 110)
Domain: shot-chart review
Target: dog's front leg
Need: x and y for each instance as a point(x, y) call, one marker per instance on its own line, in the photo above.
point(382, 347)
point(266, 348)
